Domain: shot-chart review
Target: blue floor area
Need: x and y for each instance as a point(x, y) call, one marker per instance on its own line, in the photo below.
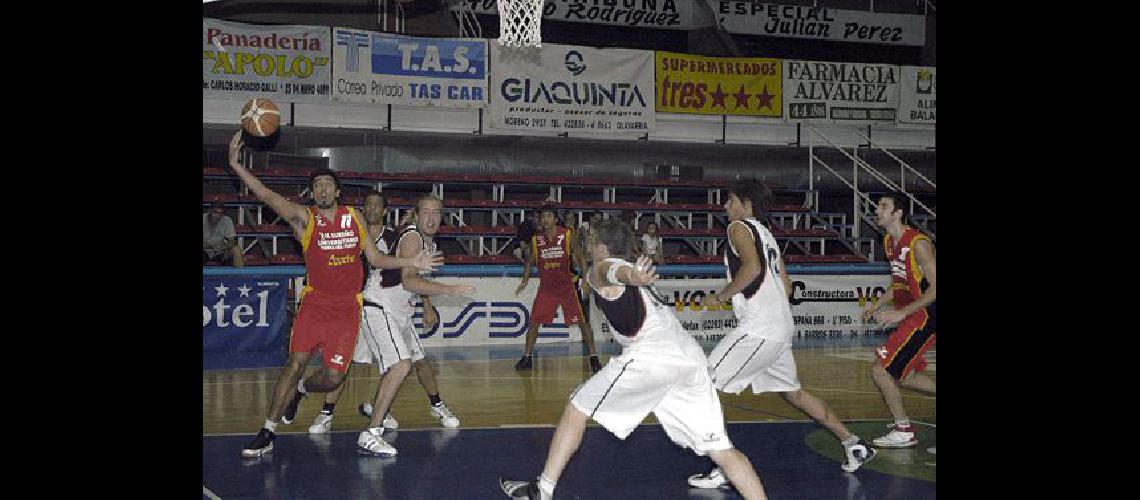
point(467, 463)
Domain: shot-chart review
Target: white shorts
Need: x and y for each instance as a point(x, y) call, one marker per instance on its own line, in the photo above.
point(681, 395)
point(386, 339)
point(741, 359)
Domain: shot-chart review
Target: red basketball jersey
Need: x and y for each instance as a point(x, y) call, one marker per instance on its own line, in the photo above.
point(332, 249)
point(906, 276)
point(553, 258)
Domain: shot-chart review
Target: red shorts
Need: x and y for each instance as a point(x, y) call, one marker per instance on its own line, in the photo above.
point(904, 350)
point(546, 304)
point(329, 322)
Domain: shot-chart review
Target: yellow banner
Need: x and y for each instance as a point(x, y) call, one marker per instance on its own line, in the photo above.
point(719, 85)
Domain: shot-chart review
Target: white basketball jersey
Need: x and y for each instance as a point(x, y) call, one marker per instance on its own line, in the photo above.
point(764, 300)
point(643, 323)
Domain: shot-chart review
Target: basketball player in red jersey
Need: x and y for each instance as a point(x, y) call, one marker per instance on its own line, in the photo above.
point(332, 238)
point(911, 255)
point(552, 248)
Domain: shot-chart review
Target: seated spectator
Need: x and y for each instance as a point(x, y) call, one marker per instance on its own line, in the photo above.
point(651, 244)
point(219, 240)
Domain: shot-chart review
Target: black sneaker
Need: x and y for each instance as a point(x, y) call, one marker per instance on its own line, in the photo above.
point(595, 364)
point(263, 443)
point(521, 489)
point(857, 455)
point(291, 408)
point(524, 364)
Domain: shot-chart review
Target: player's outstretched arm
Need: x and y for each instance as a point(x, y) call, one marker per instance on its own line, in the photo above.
point(295, 214)
point(413, 282)
point(642, 273)
point(425, 260)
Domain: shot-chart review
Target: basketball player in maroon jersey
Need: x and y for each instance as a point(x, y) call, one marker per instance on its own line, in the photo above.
point(913, 291)
point(332, 237)
point(553, 249)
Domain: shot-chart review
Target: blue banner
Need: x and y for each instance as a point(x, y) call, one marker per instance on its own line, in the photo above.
point(380, 68)
point(244, 321)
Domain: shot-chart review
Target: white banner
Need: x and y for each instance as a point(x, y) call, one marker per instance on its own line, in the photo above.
point(802, 21)
point(281, 63)
point(378, 68)
point(493, 316)
point(673, 14)
point(822, 306)
point(917, 94)
point(840, 92)
point(565, 88)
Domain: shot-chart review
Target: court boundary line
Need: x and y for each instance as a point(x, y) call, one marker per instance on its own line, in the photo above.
point(206, 491)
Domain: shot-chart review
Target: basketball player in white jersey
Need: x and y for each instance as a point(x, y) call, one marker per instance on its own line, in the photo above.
point(389, 334)
point(758, 352)
point(375, 212)
point(661, 369)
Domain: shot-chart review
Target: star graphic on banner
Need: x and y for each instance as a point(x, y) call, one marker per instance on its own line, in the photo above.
point(741, 98)
point(221, 288)
point(244, 290)
point(718, 97)
point(765, 98)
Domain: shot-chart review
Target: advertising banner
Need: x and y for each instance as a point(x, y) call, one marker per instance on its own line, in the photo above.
point(917, 94)
point(672, 14)
point(378, 68)
point(244, 321)
point(819, 23)
point(281, 63)
point(840, 92)
point(565, 88)
point(718, 85)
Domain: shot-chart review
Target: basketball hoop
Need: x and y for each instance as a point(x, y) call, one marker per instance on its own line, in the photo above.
point(520, 23)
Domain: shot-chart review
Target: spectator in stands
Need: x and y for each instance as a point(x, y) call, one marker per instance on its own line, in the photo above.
point(652, 245)
point(912, 292)
point(219, 240)
point(758, 352)
point(525, 232)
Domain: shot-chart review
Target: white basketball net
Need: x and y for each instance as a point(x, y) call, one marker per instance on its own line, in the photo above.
point(520, 23)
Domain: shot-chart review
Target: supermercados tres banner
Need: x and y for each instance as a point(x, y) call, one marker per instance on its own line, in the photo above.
point(565, 88)
point(840, 92)
point(371, 67)
point(282, 63)
point(718, 85)
point(818, 23)
point(243, 321)
point(673, 14)
point(822, 306)
point(917, 95)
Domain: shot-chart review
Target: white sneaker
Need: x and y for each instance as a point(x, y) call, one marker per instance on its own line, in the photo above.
point(371, 442)
point(899, 437)
point(712, 479)
point(322, 424)
point(390, 422)
point(444, 415)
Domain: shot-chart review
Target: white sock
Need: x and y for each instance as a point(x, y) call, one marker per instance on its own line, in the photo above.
point(547, 487)
point(902, 423)
point(376, 430)
point(301, 386)
point(271, 425)
point(850, 441)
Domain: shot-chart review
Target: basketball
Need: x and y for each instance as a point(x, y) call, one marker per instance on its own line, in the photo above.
point(260, 117)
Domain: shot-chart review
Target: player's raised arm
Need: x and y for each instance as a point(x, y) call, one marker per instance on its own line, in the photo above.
point(296, 215)
point(412, 280)
point(607, 273)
